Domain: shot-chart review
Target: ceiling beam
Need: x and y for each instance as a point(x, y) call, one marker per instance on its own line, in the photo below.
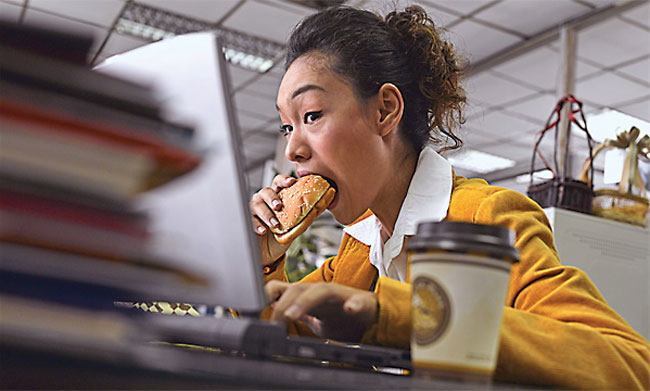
point(550, 35)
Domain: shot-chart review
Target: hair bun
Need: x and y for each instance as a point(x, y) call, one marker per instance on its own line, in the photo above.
point(436, 64)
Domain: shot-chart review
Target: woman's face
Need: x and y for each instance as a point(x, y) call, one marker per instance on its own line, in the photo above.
point(333, 134)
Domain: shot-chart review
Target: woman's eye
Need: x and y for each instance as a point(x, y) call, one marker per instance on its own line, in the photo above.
point(286, 129)
point(312, 116)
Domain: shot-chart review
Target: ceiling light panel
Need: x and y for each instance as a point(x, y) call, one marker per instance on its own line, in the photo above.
point(247, 60)
point(241, 49)
point(479, 162)
point(205, 10)
point(101, 13)
point(531, 16)
point(538, 176)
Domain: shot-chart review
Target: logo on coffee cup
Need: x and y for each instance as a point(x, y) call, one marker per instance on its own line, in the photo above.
point(431, 310)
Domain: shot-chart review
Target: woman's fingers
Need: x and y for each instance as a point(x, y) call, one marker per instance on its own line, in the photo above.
point(258, 226)
point(266, 202)
point(271, 198)
point(260, 206)
point(284, 304)
point(282, 181)
point(364, 305)
point(314, 324)
point(330, 310)
point(312, 297)
point(274, 289)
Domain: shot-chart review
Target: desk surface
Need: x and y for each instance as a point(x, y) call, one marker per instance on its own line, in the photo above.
point(169, 367)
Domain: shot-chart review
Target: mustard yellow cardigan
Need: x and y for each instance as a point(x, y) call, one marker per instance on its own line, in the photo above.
point(557, 328)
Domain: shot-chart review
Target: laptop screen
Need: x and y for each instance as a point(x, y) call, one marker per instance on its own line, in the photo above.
point(200, 221)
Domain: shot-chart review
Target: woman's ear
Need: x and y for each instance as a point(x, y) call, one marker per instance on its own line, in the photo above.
point(391, 108)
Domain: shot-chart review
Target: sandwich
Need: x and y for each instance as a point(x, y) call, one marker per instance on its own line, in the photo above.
point(305, 200)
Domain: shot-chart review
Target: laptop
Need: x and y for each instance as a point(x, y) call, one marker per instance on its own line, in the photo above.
point(203, 220)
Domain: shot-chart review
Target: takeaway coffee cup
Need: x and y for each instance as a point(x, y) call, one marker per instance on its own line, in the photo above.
point(460, 274)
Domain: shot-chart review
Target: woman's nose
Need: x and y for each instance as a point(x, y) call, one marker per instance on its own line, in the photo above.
point(297, 149)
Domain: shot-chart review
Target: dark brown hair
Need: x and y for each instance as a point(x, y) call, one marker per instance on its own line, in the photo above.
point(404, 48)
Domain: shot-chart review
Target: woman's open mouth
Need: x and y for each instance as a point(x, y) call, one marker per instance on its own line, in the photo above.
point(336, 196)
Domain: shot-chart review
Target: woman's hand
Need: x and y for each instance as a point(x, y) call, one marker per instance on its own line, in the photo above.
point(262, 205)
point(331, 310)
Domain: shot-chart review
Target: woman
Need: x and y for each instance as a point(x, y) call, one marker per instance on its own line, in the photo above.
point(362, 102)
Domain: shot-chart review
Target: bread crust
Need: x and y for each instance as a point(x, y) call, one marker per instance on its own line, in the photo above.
point(320, 206)
point(298, 200)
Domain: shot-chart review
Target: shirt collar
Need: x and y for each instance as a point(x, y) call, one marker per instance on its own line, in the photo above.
point(427, 199)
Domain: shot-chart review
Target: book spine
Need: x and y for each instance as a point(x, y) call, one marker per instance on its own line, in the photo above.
point(83, 216)
point(57, 122)
point(41, 231)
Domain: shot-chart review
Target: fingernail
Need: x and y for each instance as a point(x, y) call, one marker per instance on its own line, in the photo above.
point(275, 203)
point(274, 222)
point(261, 230)
point(292, 312)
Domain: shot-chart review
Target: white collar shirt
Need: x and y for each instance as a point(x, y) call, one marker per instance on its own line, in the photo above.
point(427, 199)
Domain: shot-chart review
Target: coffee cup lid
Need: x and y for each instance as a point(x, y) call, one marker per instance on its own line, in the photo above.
point(459, 236)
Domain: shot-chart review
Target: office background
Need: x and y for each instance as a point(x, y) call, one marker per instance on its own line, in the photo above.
point(513, 47)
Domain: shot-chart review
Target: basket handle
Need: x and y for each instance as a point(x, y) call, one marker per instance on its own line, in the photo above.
point(553, 121)
point(584, 172)
point(630, 175)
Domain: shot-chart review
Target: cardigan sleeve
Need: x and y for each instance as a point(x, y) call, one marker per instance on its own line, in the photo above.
point(557, 329)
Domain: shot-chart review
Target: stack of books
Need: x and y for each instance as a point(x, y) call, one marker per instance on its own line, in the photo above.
point(76, 148)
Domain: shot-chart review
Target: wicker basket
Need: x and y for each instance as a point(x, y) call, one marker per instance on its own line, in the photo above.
point(565, 193)
point(620, 204)
point(613, 205)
